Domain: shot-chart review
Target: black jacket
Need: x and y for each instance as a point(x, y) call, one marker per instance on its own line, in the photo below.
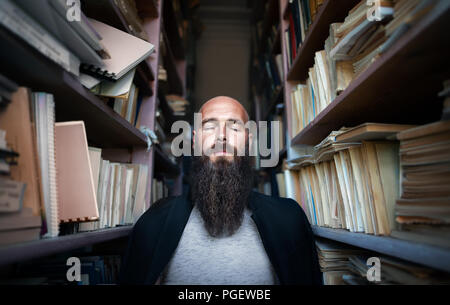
point(284, 229)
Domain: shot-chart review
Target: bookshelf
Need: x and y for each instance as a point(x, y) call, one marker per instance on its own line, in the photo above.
point(104, 127)
point(389, 91)
point(402, 99)
point(330, 11)
point(119, 140)
point(45, 247)
point(424, 254)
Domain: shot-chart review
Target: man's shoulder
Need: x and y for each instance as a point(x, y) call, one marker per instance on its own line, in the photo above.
point(286, 209)
point(158, 211)
point(279, 203)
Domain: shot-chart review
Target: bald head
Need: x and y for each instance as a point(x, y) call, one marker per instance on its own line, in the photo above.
point(225, 103)
point(223, 127)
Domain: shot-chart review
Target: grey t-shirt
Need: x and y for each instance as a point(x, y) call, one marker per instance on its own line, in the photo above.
point(200, 259)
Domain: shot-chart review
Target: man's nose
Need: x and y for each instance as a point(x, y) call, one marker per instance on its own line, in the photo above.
point(221, 132)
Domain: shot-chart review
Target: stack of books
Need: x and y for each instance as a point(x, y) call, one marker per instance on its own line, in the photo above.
point(334, 261)
point(342, 264)
point(351, 185)
point(120, 191)
point(423, 210)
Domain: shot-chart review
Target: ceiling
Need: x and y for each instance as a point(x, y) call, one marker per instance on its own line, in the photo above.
point(225, 10)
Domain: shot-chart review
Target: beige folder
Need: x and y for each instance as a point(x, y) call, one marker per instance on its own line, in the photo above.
point(21, 137)
point(76, 193)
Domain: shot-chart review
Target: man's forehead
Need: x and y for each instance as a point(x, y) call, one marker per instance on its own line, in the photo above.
point(223, 109)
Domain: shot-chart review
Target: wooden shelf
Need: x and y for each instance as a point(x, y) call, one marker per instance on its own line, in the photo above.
point(45, 247)
point(28, 67)
point(330, 11)
point(400, 87)
point(424, 254)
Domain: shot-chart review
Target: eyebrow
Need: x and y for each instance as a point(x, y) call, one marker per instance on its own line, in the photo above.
point(228, 120)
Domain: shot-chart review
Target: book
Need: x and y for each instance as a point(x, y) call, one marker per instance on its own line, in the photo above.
point(19, 236)
point(422, 211)
point(351, 185)
point(83, 28)
point(292, 185)
point(126, 52)
point(335, 261)
point(116, 89)
point(23, 219)
point(140, 205)
point(74, 169)
point(281, 184)
point(95, 156)
point(52, 15)
point(44, 119)
point(16, 120)
point(433, 235)
point(424, 130)
point(20, 23)
point(371, 131)
point(357, 29)
point(11, 195)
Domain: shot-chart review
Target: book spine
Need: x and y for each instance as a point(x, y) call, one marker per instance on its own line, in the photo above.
point(81, 27)
point(292, 37)
point(25, 27)
point(296, 17)
point(52, 170)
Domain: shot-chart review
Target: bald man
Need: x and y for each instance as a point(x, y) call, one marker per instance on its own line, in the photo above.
point(221, 232)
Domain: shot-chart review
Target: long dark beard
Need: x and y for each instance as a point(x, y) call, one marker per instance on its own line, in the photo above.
point(220, 190)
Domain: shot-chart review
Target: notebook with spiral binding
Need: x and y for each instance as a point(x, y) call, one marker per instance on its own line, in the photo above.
point(44, 113)
point(126, 52)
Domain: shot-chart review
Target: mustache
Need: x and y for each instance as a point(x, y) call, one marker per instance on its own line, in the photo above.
point(221, 147)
